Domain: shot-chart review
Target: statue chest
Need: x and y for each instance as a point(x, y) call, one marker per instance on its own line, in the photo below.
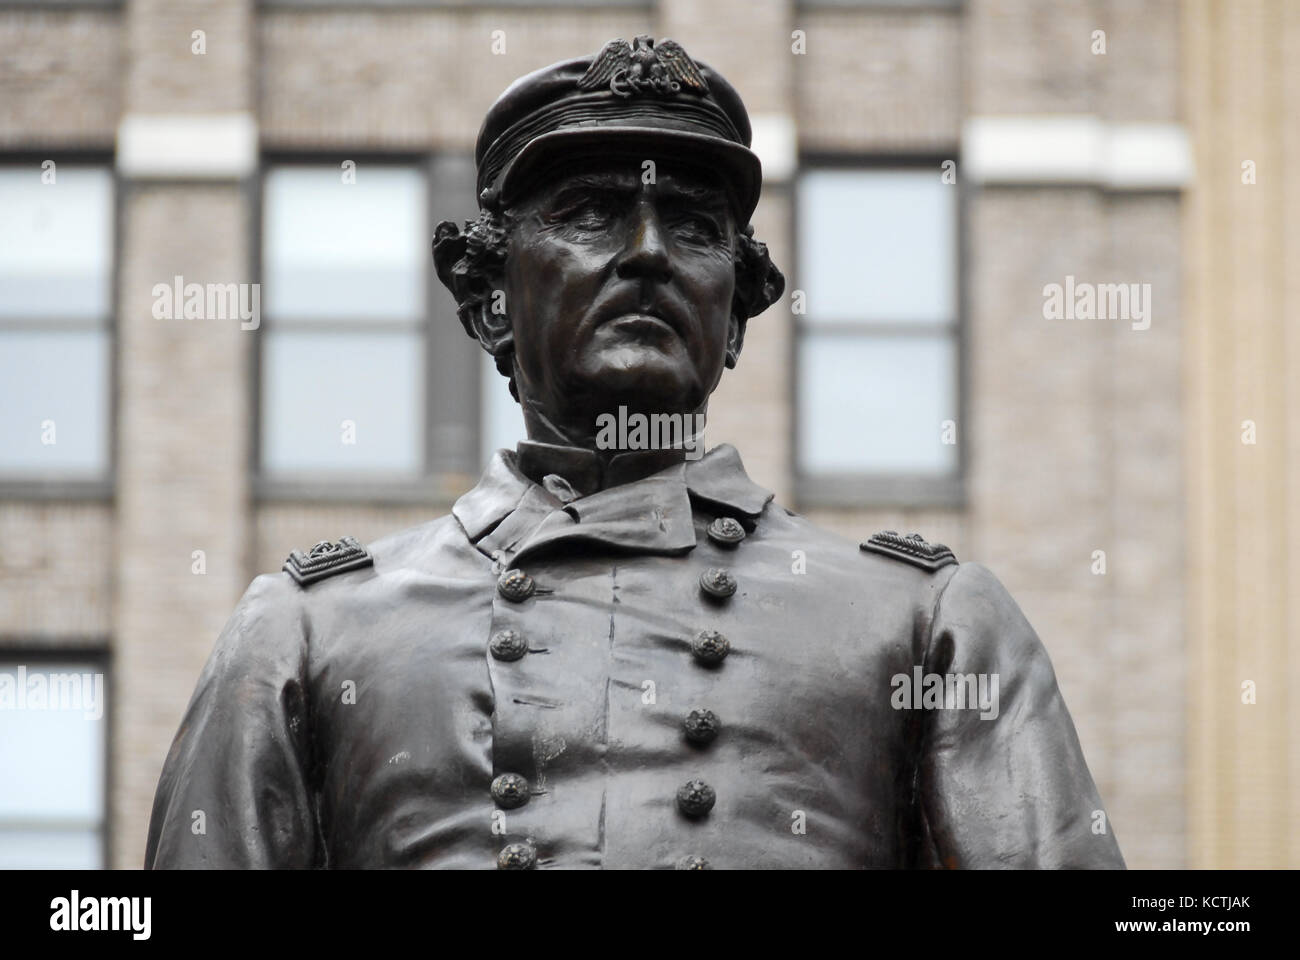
point(614, 711)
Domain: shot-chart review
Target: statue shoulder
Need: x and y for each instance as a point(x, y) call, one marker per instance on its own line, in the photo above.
point(913, 549)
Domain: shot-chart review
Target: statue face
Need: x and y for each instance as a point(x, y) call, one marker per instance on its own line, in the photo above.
point(619, 292)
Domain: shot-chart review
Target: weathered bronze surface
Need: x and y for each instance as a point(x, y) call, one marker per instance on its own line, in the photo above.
point(618, 657)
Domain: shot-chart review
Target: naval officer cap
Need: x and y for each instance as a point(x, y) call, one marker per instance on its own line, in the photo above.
point(640, 100)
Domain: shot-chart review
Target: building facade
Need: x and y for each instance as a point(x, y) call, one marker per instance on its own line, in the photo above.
point(1038, 308)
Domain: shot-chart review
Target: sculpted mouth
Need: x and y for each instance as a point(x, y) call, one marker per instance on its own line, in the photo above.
point(643, 320)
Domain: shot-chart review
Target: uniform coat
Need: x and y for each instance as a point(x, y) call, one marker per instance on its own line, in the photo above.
point(361, 720)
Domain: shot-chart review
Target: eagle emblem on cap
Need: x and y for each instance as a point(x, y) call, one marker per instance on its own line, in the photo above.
point(643, 67)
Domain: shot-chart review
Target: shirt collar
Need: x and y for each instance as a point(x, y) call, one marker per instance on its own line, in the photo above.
point(717, 479)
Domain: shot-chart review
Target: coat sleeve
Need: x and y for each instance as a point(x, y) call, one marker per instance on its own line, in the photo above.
point(1007, 785)
point(234, 790)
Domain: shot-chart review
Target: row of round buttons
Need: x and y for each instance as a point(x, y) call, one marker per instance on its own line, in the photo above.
point(709, 647)
point(718, 583)
point(512, 790)
point(695, 798)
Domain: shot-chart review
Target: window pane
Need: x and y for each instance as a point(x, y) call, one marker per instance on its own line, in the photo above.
point(32, 849)
point(503, 420)
point(52, 745)
point(878, 245)
point(53, 394)
point(312, 382)
point(876, 404)
point(56, 247)
point(345, 251)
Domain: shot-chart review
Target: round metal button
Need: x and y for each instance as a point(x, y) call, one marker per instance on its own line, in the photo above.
point(517, 856)
point(692, 862)
point(701, 726)
point(710, 647)
point(717, 582)
point(516, 586)
point(510, 790)
point(695, 798)
point(726, 531)
point(507, 645)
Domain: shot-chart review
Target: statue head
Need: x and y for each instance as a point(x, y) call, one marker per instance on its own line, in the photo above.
point(612, 261)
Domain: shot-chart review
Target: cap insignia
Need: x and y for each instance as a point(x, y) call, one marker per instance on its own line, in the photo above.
point(647, 68)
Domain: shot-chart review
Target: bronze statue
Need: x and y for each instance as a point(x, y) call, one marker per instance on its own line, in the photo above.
point(617, 653)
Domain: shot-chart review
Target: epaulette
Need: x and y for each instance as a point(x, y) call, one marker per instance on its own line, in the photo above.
point(913, 550)
point(326, 559)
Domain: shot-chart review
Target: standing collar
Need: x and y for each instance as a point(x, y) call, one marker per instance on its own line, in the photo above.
point(717, 479)
point(585, 471)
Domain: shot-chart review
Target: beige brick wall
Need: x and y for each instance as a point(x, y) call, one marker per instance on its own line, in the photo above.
point(166, 75)
point(874, 80)
point(420, 79)
point(1075, 447)
point(1138, 80)
point(1026, 56)
point(284, 527)
point(61, 77)
point(56, 561)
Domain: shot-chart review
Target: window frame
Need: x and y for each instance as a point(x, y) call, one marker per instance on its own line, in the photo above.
point(442, 477)
point(884, 490)
point(103, 487)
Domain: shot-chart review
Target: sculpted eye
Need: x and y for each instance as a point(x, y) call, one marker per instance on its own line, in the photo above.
point(697, 225)
point(585, 211)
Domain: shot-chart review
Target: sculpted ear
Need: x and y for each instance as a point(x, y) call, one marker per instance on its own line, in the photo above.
point(759, 284)
point(471, 265)
point(735, 340)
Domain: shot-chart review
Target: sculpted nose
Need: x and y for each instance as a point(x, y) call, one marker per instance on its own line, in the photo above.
point(646, 252)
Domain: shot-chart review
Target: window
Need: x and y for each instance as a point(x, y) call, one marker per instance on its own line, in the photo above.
point(366, 372)
point(52, 747)
point(342, 381)
point(56, 266)
point(877, 367)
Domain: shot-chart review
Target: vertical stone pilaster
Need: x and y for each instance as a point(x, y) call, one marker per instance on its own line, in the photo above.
point(1243, 89)
point(183, 384)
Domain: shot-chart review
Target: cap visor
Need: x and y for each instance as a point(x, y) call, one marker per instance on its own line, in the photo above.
point(740, 166)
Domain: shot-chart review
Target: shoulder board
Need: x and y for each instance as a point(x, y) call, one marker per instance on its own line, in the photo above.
point(913, 550)
point(326, 559)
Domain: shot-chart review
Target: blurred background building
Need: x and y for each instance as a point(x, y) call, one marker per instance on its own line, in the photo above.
point(932, 167)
